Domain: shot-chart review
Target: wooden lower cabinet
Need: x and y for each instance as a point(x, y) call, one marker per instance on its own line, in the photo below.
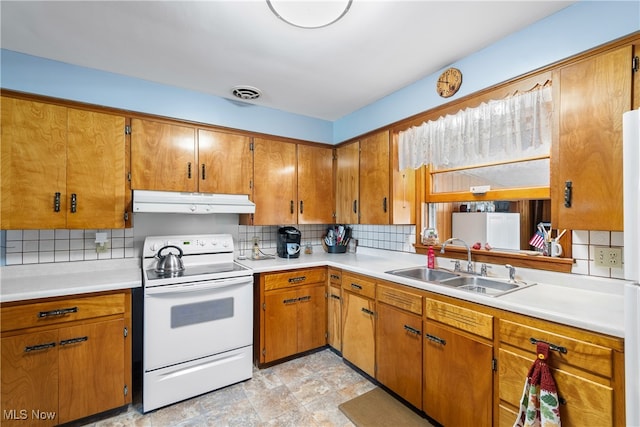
point(458, 365)
point(64, 359)
point(589, 376)
point(293, 313)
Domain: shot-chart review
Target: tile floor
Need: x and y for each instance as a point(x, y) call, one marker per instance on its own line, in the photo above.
point(301, 392)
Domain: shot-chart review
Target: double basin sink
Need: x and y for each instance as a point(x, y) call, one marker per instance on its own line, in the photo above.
point(492, 287)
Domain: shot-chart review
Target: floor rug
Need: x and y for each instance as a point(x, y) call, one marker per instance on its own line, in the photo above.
point(378, 408)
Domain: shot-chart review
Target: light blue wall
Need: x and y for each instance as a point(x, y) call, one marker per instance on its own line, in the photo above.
point(577, 28)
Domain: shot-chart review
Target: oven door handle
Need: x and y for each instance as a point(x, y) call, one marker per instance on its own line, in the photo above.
point(184, 288)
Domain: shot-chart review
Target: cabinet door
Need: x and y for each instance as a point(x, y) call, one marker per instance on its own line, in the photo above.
point(225, 163)
point(274, 191)
point(34, 164)
point(162, 156)
point(334, 317)
point(457, 369)
point(347, 183)
point(95, 170)
point(594, 93)
point(280, 324)
point(312, 317)
point(359, 331)
point(30, 379)
point(92, 369)
point(399, 353)
point(316, 202)
point(374, 179)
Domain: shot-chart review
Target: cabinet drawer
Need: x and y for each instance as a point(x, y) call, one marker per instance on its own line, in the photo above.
point(60, 311)
point(359, 285)
point(335, 276)
point(459, 317)
point(398, 298)
point(584, 402)
point(581, 354)
point(289, 279)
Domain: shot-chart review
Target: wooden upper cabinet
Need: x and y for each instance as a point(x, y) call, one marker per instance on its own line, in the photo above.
point(34, 164)
point(61, 167)
point(225, 163)
point(374, 198)
point(274, 190)
point(96, 176)
point(347, 183)
point(163, 156)
point(592, 95)
point(316, 200)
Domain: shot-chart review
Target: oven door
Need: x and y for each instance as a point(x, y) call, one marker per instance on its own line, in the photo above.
point(193, 320)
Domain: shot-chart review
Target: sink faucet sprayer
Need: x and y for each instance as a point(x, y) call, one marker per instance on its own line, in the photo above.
point(512, 273)
point(469, 264)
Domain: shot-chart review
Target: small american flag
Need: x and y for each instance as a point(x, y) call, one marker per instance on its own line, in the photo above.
point(537, 241)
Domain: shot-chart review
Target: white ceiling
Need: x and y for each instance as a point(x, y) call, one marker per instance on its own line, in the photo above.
point(211, 46)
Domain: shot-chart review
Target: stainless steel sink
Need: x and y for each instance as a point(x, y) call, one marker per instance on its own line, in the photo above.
point(424, 274)
point(484, 285)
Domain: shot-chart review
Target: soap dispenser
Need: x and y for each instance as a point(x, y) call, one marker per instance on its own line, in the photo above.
point(431, 258)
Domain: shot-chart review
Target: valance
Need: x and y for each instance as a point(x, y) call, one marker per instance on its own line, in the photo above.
point(509, 129)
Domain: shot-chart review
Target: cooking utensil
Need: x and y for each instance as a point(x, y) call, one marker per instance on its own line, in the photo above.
point(169, 263)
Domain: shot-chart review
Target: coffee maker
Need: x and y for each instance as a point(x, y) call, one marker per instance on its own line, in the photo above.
point(289, 242)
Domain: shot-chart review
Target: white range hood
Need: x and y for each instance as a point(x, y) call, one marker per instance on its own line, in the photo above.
point(191, 203)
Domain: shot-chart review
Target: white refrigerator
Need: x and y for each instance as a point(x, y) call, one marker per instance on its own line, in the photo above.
point(631, 171)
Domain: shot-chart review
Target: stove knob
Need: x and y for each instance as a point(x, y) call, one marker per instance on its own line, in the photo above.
point(225, 244)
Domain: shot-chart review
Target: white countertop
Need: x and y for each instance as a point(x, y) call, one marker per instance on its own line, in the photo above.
point(25, 282)
point(586, 302)
point(594, 304)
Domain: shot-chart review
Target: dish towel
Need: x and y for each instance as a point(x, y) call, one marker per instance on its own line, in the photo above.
point(539, 403)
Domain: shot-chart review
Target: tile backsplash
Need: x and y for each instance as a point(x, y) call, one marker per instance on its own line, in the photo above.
point(46, 246)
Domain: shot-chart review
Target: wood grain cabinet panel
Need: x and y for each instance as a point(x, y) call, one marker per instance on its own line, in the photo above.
point(374, 194)
point(591, 95)
point(225, 163)
point(359, 331)
point(316, 202)
point(347, 183)
point(163, 156)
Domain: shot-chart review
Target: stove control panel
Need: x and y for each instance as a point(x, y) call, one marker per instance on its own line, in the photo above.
point(189, 244)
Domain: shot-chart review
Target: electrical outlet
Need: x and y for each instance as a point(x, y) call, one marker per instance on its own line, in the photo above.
point(608, 257)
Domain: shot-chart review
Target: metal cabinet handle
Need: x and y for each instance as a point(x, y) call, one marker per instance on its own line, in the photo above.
point(305, 298)
point(435, 339)
point(335, 296)
point(355, 206)
point(56, 202)
point(291, 207)
point(297, 279)
point(412, 330)
point(58, 312)
point(554, 347)
point(290, 301)
point(335, 276)
point(36, 347)
point(301, 206)
point(203, 172)
point(384, 205)
point(356, 286)
point(367, 311)
point(73, 340)
point(568, 190)
point(189, 170)
point(74, 203)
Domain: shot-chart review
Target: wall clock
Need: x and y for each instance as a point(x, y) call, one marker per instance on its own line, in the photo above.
point(449, 82)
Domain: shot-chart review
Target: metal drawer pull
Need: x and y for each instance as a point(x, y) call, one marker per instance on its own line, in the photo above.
point(554, 347)
point(290, 300)
point(367, 311)
point(412, 330)
point(297, 279)
point(56, 202)
point(305, 298)
point(435, 339)
point(74, 203)
point(335, 296)
point(335, 276)
point(204, 176)
point(356, 286)
point(73, 340)
point(189, 170)
point(29, 348)
point(58, 312)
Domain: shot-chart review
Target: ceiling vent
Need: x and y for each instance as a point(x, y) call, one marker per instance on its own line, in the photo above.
point(246, 92)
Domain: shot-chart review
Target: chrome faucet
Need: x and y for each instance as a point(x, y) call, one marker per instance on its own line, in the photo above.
point(469, 263)
point(512, 273)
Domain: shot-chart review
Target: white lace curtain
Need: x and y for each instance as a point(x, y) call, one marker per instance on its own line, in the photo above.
point(509, 129)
